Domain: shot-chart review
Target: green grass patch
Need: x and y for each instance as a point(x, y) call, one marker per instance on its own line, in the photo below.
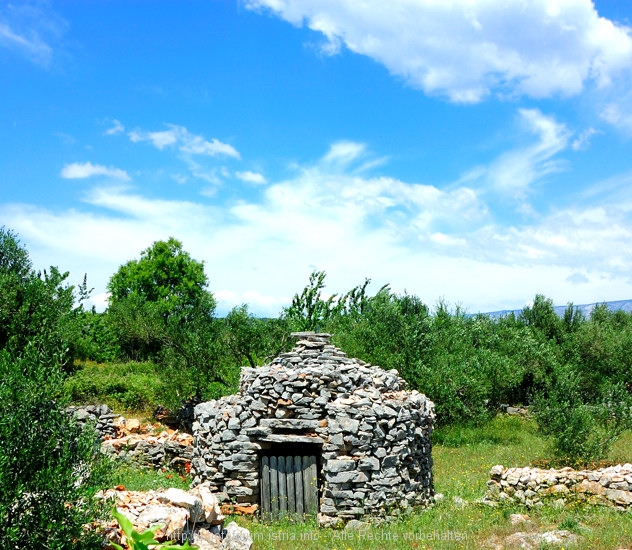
point(136, 478)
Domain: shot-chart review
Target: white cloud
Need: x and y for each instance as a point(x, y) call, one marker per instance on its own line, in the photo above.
point(185, 141)
point(619, 113)
point(582, 141)
point(34, 47)
point(429, 241)
point(117, 128)
point(344, 152)
point(251, 177)
point(32, 30)
point(513, 173)
point(466, 50)
point(81, 170)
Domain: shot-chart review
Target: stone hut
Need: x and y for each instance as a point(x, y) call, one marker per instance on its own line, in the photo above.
point(316, 431)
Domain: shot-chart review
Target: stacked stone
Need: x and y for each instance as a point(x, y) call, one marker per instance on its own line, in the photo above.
point(162, 451)
point(101, 416)
point(375, 435)
point(532, 486)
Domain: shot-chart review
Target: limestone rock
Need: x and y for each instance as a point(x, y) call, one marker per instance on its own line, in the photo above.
point(237, 538)
point(183, 499)
point(533, 541)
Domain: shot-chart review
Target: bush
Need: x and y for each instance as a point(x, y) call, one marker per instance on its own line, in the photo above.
point(123, 386)
point(582, 431)
point(95, 338)
point(49, 470)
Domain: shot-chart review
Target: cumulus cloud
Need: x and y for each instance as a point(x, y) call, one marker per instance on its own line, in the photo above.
point(466, 50)
point(251, 177)
point(185, 141)
point(428, 240)
point(82, 170)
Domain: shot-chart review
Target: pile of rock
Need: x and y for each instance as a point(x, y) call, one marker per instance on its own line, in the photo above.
point(168, 449)
point(182, 515)
point(129, 439)
point(101, 416)
point(532, 486)
point(373, 434)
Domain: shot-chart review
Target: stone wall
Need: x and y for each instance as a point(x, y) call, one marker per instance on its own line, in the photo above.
point(372, 435)
point(127, 439)
point(100, 416)
point(533, 486)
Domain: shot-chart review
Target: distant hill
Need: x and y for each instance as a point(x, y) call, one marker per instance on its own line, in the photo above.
point(625, 305)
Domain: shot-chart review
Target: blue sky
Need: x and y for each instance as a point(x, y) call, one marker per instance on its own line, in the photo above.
point(477, 151)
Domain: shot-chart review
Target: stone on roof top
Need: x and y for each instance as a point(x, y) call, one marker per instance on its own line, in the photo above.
point(312, 336)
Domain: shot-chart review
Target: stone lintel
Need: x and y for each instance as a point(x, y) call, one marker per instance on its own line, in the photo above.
point(289, 424)
point(290, 438)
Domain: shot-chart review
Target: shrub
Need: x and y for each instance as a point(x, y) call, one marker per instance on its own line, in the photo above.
point(127, 386)
point(582, 431)
point(49, 470)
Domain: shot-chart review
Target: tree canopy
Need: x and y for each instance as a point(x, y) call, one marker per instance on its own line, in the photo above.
point(165, 276)
point(161, 310)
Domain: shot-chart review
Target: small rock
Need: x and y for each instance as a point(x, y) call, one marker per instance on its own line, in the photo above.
point(237, 538)
point(182, 499)
point(532, 541)
point(497, 471)
point(205, 540)
point(133, 425)
point(355, 524)
point(515, 519)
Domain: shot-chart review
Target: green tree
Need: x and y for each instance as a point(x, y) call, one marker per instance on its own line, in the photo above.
point(162, 310)
point(541, 317)
point(254, 340)
point(309, 311)
point(167, 277)
point(49, 471)
point(33, 302)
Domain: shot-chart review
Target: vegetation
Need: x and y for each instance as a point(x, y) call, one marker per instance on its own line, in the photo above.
point(574, 370)
point(144, 540)
point(159, 342)
point(49, 470)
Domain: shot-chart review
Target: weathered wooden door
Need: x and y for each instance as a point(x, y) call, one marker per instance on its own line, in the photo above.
point(289, 485)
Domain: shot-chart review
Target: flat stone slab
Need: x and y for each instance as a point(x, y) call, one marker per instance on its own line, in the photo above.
point(289, 424)
point(291, 438)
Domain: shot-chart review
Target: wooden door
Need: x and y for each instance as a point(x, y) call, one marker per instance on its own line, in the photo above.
point(289, 486)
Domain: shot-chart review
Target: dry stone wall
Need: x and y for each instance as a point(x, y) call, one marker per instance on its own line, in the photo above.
point(100, 416)
point(371, 434)
point(533, 486)
point(127, 439)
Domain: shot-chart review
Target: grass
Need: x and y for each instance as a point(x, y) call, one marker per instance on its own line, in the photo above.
point(462, 471)
point(124, 387)
point(136, 478)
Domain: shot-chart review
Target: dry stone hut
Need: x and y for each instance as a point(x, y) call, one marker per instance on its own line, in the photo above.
point(316, 431)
